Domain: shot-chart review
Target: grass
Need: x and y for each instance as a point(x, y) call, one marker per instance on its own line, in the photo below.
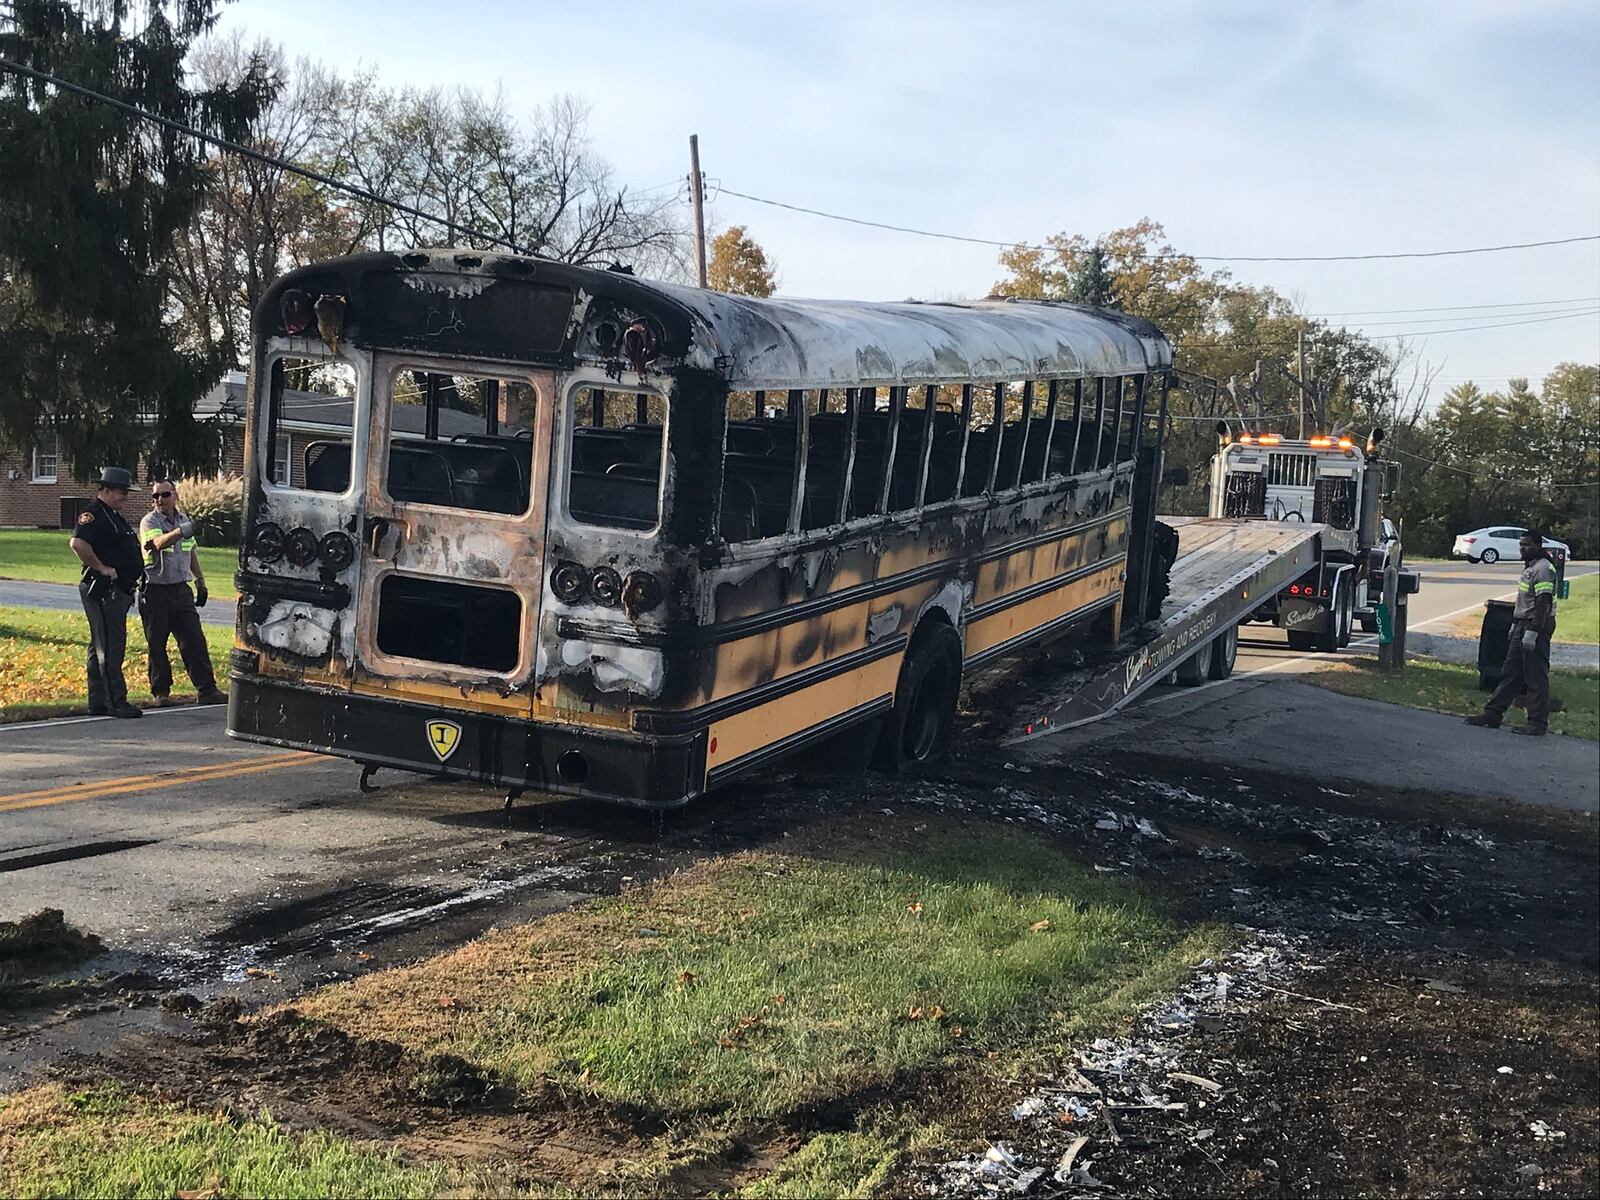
point(42, 662)
point(107, 1142)
point(1577, 617)
point(829, 1165)
point(41, 555)
point(1453, 688)
point(754, 985)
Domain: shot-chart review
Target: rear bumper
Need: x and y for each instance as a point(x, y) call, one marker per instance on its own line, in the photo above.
point(616, 767)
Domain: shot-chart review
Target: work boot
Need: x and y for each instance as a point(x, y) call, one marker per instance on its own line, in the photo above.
point(126, 710)
point(162, 701)
point(1529, 730)
point(212, 696)
point(1484, 720)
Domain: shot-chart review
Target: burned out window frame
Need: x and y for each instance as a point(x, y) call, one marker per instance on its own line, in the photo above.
point(1066, 400)
point(486, 369)
point(275, 351)
point(566, 426)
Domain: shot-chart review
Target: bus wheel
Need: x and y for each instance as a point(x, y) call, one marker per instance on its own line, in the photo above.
point(1224, 652)
point(917, 729)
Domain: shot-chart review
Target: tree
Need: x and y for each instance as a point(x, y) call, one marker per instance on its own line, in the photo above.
point(258, 220)
point(1089, 281)
point(1223, 332)
point(94, 199)
point(461, 157)
point(739, 265)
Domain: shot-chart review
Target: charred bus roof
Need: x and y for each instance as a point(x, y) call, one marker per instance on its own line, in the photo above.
point(462, 303)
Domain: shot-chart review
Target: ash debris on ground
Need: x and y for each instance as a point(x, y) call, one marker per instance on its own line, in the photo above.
point(1104, 1100)
point(1421, 944)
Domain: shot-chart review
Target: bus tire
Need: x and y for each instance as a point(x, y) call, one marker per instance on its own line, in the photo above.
point(917, 729)
point(1224, 653)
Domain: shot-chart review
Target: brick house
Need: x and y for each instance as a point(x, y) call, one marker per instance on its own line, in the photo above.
point(37, 488)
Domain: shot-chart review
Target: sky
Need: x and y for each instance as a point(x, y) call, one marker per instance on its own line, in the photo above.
point(1245, 128)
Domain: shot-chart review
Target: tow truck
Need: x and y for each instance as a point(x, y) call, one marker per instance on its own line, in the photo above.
point(1295, 537)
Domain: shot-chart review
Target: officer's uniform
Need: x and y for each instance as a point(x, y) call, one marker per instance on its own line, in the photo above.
point(106, 604)
point(1528, 670)
point(167, 607)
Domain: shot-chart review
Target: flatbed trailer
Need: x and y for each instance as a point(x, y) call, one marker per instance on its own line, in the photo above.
point(1225, 570)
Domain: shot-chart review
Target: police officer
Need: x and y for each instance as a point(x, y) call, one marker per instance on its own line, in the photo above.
point(109, 551)
point(166, 605)
point(1533, 622)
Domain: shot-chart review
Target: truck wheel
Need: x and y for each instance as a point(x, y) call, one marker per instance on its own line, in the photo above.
point(1326, 637)
point(1347, 614)
point(1369, 622)
point(1191, 671)
point(917, 729)
point(1224, 652)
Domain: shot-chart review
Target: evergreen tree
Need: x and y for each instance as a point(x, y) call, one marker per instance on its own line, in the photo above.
point(90, 344)
point(1090, 281)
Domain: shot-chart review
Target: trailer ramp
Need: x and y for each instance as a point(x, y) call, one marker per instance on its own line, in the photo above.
point(1224, 570)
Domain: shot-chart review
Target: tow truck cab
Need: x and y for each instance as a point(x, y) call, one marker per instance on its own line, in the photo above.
point(1331, 482)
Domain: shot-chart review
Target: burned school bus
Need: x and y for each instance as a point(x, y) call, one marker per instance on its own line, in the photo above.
point(564, 529)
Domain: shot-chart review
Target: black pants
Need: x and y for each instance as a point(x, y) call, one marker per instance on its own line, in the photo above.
point(1524, 671)
point(168, 609)
point(108, 642)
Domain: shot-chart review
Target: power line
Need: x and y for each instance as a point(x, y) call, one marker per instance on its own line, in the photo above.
point(1007, 245)
point(1552, 313)
point(1379, 312)
point(1432, 462)
point(362, 193)
point(1385, 337)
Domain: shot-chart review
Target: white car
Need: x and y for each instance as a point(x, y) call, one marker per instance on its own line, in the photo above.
point(1495, 543)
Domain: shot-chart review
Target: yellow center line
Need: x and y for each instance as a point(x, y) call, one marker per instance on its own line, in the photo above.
point(202, 769)
point(145, 783)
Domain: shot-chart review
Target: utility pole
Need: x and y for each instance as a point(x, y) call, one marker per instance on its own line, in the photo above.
point(1300, 377)
point(697, 193)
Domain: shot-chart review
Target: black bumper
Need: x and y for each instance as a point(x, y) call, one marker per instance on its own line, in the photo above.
point(615, 767)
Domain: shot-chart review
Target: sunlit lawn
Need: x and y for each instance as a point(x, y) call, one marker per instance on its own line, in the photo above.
point(41, 555)
point(42, 655)
point(1453, 688)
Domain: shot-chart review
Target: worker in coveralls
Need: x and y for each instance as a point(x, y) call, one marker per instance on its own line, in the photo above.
point(109, 551)
point(166, 605)
point(1533, 623)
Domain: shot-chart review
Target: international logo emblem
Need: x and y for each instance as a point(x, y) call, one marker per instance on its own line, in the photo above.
point(444, 737)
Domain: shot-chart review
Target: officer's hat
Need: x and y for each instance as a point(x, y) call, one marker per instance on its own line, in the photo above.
point(115, 477)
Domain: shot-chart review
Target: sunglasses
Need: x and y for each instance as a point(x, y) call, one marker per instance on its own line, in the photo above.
point(163, 495)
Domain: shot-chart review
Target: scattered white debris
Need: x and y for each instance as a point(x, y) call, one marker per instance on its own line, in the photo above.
point(1503, 1071)
point(1033, 1106)
point(1545, 1133)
